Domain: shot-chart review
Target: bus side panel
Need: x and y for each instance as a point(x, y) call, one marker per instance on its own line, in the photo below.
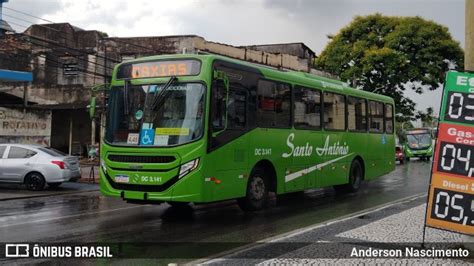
point(300, 175)
point(358, 143)
point(375, 155)
point(336, 172)
point(229, 169)
point(389, 153)
point(270, 144)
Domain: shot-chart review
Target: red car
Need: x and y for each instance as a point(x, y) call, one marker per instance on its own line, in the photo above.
point(399, 156)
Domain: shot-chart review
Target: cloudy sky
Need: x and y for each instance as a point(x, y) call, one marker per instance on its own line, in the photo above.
point(236, 22)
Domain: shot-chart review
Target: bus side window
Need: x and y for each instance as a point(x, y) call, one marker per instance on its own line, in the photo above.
point(307, 109)
point(274, 104)
point(218, 106)
point(356, 114)
point(237, 108)
point(334, 111)
point(376, 116)
point(388, 118)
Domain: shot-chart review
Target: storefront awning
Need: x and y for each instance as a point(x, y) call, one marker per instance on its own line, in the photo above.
point(10, 75)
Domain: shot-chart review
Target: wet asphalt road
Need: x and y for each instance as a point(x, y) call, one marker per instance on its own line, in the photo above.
point(90, 217)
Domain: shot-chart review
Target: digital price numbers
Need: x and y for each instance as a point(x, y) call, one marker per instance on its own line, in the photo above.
point(456, 207)
point(460, 107)
point(456, 159)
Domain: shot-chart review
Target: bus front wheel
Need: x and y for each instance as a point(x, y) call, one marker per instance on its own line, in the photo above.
point(256, 197)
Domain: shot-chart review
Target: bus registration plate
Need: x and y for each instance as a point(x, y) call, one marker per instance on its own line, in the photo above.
point(122, 178)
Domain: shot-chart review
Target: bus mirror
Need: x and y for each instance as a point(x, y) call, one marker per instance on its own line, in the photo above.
point(91, 107)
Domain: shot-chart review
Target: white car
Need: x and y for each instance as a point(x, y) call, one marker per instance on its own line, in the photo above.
point(35, 166)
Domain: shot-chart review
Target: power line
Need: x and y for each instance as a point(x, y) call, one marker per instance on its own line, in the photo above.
point(67, 48)
point(121, 41)
point(54, 29)
point(85, 71)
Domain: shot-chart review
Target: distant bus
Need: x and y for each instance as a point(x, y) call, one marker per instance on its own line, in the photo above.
point(206, 128)
point(419, 143)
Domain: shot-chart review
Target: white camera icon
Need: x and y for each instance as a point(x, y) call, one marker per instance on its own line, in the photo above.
point(17, 250)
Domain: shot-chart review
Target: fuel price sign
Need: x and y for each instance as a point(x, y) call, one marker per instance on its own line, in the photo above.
point(451, 194)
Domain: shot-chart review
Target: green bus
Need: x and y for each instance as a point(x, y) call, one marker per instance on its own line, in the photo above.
point(204, 128)
point(419, 143)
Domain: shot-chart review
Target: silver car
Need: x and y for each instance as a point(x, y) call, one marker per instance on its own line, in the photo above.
point(36, 166)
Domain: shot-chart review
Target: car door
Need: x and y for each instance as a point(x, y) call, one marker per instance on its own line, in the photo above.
point(3, 148)
point(17, 163)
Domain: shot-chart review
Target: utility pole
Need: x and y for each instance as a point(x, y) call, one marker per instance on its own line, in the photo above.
point(469, 51)
point(469, 66)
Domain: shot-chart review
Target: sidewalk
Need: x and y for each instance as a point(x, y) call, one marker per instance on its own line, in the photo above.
point(86, 173)
point(395, 227)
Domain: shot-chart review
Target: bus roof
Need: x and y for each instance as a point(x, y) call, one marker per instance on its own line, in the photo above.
point(295, 77)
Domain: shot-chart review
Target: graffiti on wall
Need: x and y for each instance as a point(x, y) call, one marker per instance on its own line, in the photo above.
point(30, 127)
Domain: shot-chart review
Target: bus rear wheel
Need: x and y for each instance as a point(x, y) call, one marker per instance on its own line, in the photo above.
point(256, 197)
point(355, 179)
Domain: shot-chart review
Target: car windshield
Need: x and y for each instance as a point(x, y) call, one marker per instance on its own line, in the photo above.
point(153, 117)
point(419, 140)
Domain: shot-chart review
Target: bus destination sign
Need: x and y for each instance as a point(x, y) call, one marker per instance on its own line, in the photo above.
point(451, 192)
point(161, 68)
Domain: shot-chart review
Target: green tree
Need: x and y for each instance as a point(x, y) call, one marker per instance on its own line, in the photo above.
point(388, 55)
point(427, 118)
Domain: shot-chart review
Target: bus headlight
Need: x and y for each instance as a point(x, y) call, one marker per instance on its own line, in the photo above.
point(186, 168)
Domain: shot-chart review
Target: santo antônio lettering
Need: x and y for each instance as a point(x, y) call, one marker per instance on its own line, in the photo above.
point(307, 150)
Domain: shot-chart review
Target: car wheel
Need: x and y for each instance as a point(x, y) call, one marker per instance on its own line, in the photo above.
point(256, 197)
point(34, 182)
point(54, 185)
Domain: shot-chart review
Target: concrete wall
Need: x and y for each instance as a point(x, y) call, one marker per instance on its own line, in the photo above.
point(32, 127)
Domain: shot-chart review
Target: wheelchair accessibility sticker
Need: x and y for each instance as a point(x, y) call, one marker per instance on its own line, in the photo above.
point(147, 137)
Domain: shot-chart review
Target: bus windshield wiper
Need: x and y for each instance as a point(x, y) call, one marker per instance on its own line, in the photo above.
point(160, 96)
point(125, 97)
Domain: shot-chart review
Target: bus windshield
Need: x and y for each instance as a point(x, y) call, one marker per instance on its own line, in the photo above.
point(419, 141)
point(173, 120)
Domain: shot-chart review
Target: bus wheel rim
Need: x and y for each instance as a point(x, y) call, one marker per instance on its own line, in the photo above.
point(258, 188)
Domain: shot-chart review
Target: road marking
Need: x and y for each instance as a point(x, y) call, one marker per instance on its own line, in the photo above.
point(218, 258)
point(70, 216)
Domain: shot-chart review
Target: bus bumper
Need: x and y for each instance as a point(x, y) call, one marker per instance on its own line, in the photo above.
point(418, 153)
point(188, 190)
